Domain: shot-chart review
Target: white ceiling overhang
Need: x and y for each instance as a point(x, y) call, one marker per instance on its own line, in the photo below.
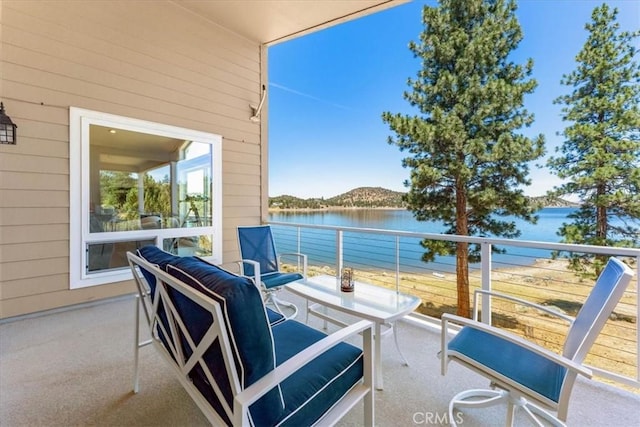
point(272, 21)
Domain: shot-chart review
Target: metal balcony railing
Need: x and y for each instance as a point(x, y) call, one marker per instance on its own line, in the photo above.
point(528, 270)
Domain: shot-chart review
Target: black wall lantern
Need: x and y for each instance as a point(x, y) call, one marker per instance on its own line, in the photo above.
point(7, 128)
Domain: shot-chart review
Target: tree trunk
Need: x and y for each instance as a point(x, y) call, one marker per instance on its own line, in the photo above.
point(462, 274)
point(601, 227)
point(601, 210)
point(462, 253)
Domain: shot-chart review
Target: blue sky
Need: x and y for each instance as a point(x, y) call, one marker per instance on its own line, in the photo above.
point(327, 92)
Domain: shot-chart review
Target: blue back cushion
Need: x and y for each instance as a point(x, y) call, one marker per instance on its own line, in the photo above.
point(156, 256)
point(256, 243)
point(246, 321)
point(161, 259)
point(596, 310)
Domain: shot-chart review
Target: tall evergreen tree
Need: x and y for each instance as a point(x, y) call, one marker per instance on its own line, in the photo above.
point(468, 163)
point(600, 156)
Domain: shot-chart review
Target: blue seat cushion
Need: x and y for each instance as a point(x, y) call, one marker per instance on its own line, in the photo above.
point(273, 280)
point(316, 387)
point(517, 363)
point(246, 321)
point(274, 317)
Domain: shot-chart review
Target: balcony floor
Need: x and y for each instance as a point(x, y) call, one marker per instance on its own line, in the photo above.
point(74, 368)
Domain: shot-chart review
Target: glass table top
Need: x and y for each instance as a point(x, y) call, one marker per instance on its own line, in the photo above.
point(367, 300)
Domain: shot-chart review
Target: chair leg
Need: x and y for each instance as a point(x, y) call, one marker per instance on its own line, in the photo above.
point(475, 399)
point(536, 413)
point(271, 298)
point(480, 398)
point(306, 313)
point(268, 300)
point(511, 413)
point(277, 302)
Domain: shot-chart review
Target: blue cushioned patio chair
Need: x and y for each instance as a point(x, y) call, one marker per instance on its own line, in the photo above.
point(258, 249)
point(524, 375)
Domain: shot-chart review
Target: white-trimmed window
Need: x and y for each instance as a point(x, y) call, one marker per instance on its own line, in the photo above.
point(135, 183)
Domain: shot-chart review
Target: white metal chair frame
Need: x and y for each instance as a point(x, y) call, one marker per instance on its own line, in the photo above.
point(243, 398)
point(504, 389)
point(270, 294)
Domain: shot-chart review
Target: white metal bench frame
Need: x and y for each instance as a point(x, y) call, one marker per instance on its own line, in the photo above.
point(243, 398)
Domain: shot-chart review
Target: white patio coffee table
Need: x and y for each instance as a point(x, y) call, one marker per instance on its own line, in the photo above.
point(380, 305)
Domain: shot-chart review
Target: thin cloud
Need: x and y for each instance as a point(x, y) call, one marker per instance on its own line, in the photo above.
point(306, 95)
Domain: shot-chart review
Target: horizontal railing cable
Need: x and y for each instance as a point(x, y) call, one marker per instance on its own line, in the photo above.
point(528, 269)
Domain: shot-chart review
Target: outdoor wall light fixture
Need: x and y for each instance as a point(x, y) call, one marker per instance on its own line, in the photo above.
point(256, 110)
point(7, 128)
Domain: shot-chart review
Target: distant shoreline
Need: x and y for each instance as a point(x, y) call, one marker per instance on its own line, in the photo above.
point(338, 208)
point(363, 198)
point(377, 208)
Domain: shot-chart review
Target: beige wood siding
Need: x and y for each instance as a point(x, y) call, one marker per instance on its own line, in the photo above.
point(147, 60)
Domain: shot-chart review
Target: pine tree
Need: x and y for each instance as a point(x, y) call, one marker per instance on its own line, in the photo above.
point(600, 156)
point(157, 198)
point(115, 187)
point(467, 162)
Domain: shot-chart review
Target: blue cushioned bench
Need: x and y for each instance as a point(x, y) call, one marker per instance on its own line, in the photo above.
point(242, 363)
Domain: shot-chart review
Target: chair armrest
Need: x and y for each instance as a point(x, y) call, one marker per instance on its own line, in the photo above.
point(519, 301)
point(300, 256)
point(256, 270)
point(541, 351)
point(252, 393)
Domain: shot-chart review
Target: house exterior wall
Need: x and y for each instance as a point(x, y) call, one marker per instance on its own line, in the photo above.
point(152, 61)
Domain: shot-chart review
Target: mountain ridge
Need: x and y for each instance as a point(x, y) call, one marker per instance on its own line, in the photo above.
point(375, 197)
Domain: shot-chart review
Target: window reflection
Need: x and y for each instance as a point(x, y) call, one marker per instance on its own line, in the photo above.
point(144, 182)
point(140, 181)
point(189, 245)
point(110, 256)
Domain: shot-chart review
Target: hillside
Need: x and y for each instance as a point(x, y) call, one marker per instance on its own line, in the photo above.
point(368, 197)
point(375, 197)
point(553, 202)
point(363, 197)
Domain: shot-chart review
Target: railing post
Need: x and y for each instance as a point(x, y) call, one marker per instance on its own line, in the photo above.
point(637, 317)
point(398, 264)
point(339, 254)
point(486, 282)
point(299, 246)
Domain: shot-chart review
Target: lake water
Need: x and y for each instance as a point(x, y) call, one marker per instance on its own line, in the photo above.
point(383, 250)
point(550, 220)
